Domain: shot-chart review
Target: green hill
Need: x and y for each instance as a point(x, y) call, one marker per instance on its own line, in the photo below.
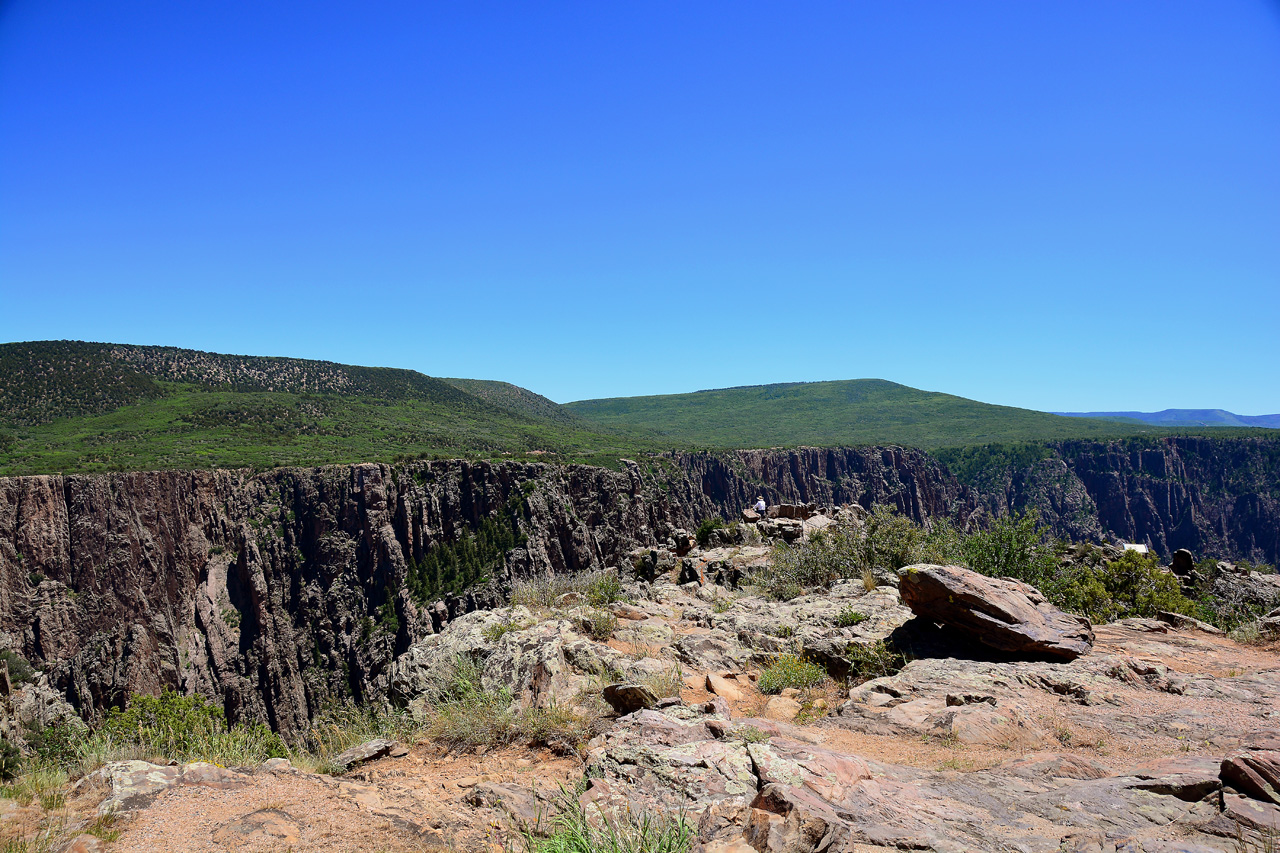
point(75, 406)
point(517, 399)
point(848, 412)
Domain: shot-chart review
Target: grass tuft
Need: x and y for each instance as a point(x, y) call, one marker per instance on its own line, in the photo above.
point(573, 830)
point(790, 670)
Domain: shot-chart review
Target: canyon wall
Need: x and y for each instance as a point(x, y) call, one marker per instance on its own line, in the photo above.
point(1214, 497)
point(279, 593)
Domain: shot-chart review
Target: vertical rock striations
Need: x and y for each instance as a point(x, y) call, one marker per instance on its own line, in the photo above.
point(1218, 496)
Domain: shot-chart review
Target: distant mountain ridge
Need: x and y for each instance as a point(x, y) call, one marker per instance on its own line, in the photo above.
point(75, 406)
point(43, 381)
point(82, 406)
point(1185, 418)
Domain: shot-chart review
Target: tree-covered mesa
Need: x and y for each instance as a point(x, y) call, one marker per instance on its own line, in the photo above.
point(1076, 578)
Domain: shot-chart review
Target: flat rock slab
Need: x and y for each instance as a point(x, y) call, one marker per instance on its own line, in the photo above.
point(135, 784)
point(723, 687)
point(367, 751)
point(999, 612)
point(629, 698)
point(271, 826)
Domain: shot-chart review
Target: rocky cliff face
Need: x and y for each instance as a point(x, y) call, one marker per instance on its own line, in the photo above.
point(281, 592)
point(912, 482)
point(1216, 497)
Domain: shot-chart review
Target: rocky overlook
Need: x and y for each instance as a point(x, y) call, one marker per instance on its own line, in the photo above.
point(1157, 738)
point(278, 592)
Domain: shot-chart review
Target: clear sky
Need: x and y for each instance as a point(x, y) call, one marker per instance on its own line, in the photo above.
point(1060, 205)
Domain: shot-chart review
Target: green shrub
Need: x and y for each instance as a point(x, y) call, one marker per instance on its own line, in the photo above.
point(848, 550)
point(876, 660)
point(19, 670)
point(889, 540)
point(1012, 547)
point(848, 617)
point(188, 728)
point(58, 745)
point(1131, 585)
point(817, 561)
point(600, 624)
point(703, 533)
point(605, 588)
point(790, 670)
point(10, 760)
point(1134, 585)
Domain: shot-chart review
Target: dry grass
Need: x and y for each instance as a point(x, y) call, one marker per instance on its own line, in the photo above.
point(667, 682)
point(541, 594)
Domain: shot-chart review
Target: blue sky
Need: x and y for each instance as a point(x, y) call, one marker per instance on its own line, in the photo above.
point(1058, 205)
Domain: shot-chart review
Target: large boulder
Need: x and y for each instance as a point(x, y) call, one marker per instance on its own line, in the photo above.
point(1254, 770)
point(1002, 613)
point(1183, 563)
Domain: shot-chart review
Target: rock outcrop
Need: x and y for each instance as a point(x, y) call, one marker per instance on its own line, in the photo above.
point(999, 612)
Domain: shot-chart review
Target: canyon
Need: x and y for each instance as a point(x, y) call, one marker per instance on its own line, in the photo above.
point(280, 592)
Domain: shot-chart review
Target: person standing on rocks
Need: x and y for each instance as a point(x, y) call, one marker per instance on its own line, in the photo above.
point(760, 505)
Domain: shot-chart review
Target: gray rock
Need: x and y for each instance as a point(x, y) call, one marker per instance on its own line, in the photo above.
point(370, 750)
point(628, 698)
point(999, 612)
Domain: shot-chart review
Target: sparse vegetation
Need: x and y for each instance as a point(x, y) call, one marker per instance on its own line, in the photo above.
point(848, 617)
point(703, 533)
point(790, 670)
point(749, 734)
point(598, 589)
point(873, 660)
point(600, 624)
point(573, 830)
point(465, 714)
point(494, 632)
point(340, 727)
point(20, 670)
point(665, 682)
